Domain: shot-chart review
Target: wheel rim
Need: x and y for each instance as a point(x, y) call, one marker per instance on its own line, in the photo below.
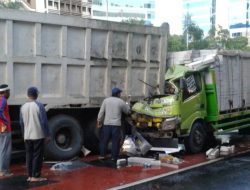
point(63, 138)
point(198, 138)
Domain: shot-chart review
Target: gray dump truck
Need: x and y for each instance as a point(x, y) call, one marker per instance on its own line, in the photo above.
point(75, 62)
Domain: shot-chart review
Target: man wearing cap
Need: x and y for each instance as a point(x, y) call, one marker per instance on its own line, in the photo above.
point(5, 132)
point(34, 124)
point(111, 111)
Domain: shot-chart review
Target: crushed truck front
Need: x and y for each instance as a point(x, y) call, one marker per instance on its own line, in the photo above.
point(160, 115)
point(180, 111)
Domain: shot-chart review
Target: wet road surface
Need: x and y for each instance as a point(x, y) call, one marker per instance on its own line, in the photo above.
point(89, 173)
point(229, 174)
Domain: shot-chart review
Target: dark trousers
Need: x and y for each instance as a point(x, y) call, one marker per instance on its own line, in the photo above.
point(34, 156)
point(110, 132)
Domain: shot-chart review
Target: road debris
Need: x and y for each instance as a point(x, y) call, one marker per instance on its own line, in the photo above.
point(213, 153)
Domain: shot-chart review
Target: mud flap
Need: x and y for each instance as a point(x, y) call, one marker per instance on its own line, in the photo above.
point(164, 142)
point(167, 146)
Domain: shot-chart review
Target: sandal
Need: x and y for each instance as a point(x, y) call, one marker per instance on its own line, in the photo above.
point(28, 179)
point(101, 157)
point(7, 174)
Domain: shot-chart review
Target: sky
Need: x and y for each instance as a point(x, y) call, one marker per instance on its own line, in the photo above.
point(169, 11)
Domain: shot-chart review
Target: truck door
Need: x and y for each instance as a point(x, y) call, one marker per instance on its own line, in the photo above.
point(193, 100)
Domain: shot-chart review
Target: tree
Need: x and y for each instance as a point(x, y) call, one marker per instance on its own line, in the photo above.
point(211, 33)
point(239, 43)
point(195, 32)
point(134, 21)
point(11, 5)
point(199, 44)
point(212, 44)
point(222, 37)
point(195, 37)
point(176, 43)
point(217, 39)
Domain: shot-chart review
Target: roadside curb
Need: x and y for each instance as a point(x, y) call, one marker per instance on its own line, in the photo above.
point(177, 171)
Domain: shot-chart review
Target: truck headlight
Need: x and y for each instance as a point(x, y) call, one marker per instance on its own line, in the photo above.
point(170, 124)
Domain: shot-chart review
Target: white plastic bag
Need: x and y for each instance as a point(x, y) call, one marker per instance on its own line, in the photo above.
point(129, 147)
point(141, 143)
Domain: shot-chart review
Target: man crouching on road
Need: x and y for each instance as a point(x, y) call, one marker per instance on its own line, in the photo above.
point(33, 120)
point(111, 109)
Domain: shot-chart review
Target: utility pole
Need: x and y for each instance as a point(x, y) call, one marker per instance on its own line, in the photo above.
point(186, 24)
point(213, 16)
point(247, 18)
point(187, 37)
point(46, 5)
point(107, 10)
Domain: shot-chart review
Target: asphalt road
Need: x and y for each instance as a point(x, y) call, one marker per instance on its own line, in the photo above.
point(229, 174)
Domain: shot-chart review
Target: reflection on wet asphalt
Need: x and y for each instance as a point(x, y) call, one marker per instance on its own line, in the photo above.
point(229, 174)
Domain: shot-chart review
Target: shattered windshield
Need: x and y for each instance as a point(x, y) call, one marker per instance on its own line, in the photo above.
point(169, 88)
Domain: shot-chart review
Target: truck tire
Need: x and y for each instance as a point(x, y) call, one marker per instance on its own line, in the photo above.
point(66, 138)
point(91, 140)
point(244, 131)
point(196, 141)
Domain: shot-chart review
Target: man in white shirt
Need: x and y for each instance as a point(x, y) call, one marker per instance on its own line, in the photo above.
point(34, 124)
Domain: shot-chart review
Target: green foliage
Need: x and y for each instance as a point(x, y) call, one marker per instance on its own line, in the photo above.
point(247, 48)
point(223, 35)
point(216, 39)
point(211, 33)
point(134, 21)
point(239, 43)
point(211, 43)
point(195, 32)
point(10, 5)
point(199, 44)
point(176, 43)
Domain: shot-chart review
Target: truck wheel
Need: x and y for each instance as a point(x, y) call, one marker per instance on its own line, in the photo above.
point(244, 131)
point(211, 140)
point(196, 141)
point(66, 138)
point(91, 140)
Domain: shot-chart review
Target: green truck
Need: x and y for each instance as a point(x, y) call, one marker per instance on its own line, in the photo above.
point(199, 99)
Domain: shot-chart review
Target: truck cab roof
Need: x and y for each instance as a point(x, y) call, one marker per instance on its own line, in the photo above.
point(201, 63)
point(176, 71)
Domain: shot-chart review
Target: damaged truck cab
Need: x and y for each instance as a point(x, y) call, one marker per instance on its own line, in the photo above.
point(182, 105)
point(198, 101)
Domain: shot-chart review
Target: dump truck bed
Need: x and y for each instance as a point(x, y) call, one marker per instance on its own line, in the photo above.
point(77, 61)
